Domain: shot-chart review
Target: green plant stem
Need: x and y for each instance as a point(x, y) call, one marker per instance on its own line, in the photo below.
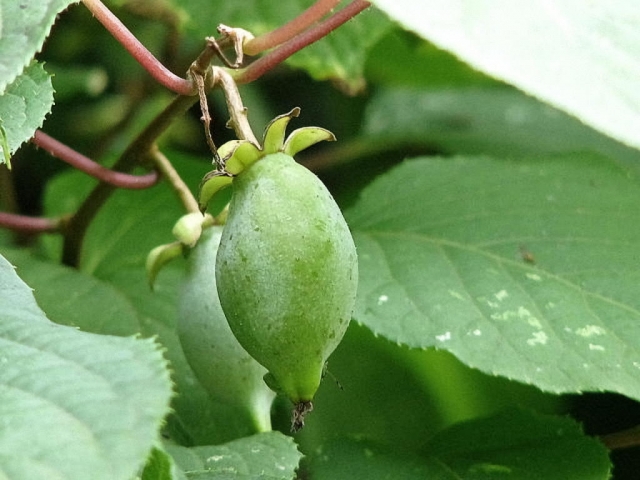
point(290, 29)
point(136, 153)
point(170, 174)
point(277, 56)
point(138, 51)
point(88, 166)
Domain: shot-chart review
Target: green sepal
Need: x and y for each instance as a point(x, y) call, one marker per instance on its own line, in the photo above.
point(225, 151)
point(302, 138)
point(211, 184)
point(244, 154)
point(274, 133)
point(159, 257)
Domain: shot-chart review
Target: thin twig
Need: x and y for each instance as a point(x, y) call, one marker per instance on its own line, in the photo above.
point(163, 164)
point(290, 29)
point(25, 224)
point(199, 80)
point(143, 56)
point(277, 56)
point(88, 166)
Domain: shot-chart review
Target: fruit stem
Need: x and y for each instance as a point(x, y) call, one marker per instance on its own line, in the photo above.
point(163, 164)
point(238, 112)
point(290, 29)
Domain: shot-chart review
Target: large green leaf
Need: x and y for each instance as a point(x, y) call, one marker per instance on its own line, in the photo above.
point(340, 56)
point(524, 269)
point(75, 299)
point(582, 58)
point(268, 456)
point(23, 107)
point(512, 444)
point(345, 458)
point(73, 404)
point(24, 25)
point(523, 445)
point(488, 120)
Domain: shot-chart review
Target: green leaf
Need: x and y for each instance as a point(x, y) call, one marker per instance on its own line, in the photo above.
point(74, 404)
point(23, 107)
point(75, 299)
point(339, 56)
point(496, 121)
point(512, 444)
point(361, 460)
point(583, 59)
point(523, 445)
point(430, 66)
point(24, 25)
point(521, 269)
point(160, 466)
point(263, 456)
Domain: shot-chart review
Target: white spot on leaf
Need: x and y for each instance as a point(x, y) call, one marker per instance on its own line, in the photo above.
point(598, 348)
point(501, 295)
point(457, 295)
point(590, 331)
point(444, 337)
point(534, 322)
point(538, 338)
point(382, 299)
point(533, 276)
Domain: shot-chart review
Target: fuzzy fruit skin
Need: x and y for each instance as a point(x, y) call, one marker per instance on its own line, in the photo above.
point(222, 366)
point(287, 272)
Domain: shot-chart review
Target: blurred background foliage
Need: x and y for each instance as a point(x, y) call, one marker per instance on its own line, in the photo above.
point(390, 395)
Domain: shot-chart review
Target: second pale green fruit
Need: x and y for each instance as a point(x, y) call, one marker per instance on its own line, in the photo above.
point(287, 272)
point(222, 366)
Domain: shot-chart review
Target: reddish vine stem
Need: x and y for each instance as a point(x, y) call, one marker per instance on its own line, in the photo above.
point(88, 166)
point(121, 33)
point(25, 224)
point(290, 29)
point(277, 56)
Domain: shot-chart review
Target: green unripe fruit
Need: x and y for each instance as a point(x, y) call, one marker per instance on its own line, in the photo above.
point(222, 366)
point(287, 273)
